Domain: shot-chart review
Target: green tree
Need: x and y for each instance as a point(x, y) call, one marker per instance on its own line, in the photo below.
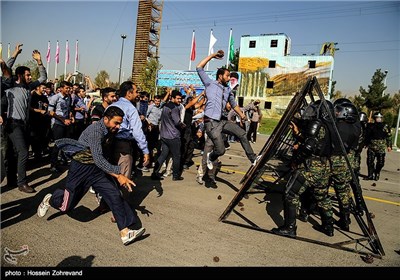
point(102, 79)
point(147, 78)
point(375, 99)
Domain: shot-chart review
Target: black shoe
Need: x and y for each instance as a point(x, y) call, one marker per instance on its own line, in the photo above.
point(185, 166)
point(376, 177)
point(303, 216)
point(327, 229)
point(285, 231)
point(26, 188)
point(180, 178)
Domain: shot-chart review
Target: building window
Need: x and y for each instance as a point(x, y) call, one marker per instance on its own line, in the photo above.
point(267, 105)
point(270, 84)
point(252, 44)
point(272, 64)
point(274, 43)
point(311, 63)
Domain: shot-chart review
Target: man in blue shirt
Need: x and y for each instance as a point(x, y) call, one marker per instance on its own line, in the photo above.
point(218, 94)
point(130, 131)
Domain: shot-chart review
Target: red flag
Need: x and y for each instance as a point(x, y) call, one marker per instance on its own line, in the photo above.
point(193, 53)
point(67, 53)
point(48, 52)
point(76, 52)
point(57, 53)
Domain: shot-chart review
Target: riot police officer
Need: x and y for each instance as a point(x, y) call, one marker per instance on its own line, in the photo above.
point(312, 170)
point(378, 140)
point(349, 128)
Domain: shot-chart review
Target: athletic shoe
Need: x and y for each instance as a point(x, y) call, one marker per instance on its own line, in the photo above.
point(132, 235)
point(44, 206)
point(209, 162)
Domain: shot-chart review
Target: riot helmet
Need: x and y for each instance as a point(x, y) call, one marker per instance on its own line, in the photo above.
point(378, 117)
point(347, 112)
point(310, 112)
point(340, 101)
point(322, 111)
point(363, 117)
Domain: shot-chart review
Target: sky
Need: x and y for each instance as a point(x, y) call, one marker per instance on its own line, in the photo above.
point(367, 33)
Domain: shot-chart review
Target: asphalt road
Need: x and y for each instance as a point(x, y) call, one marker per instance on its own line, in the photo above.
point(182, 227)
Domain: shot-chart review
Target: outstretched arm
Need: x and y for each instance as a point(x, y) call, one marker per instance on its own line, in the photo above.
point(218, 55)
point(13, 57)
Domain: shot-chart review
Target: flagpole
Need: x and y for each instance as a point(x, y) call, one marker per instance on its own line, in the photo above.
point(8, 51)
point(65, 61)
point(191, 51)
point(76, 55)
point(229, 49)
point(55, 69)
point(47, 58)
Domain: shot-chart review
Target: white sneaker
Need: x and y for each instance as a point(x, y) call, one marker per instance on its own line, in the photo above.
point(209, 162)
point(132, 235)
point(44, 206)
point(91, 190)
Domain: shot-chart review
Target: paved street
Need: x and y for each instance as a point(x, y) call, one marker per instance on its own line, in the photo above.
point(182, 227)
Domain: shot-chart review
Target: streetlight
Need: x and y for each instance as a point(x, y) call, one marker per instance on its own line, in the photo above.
point(384, 81)
point(123, 36)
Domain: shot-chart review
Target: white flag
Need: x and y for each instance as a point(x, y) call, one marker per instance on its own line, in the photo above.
point(213, 40)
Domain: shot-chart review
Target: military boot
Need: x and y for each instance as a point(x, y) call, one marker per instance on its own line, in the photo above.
point(359, 209)
point(359, 204)
point(370, 175)
point(289, 228)
point(344, 220)
point(376, 176)
point(303, 215)
point(327, 224)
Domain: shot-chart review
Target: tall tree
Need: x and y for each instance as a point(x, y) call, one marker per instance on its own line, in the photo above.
point(375, 99)
point(102, 79)
point(147, 78)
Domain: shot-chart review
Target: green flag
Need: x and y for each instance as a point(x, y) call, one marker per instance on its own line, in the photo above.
point(231, 49)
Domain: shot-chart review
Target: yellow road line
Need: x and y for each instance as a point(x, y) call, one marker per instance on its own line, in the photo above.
point(365, 197)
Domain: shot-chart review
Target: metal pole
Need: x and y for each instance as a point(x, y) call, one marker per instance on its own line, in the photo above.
point(397, 130)
point(120, 62)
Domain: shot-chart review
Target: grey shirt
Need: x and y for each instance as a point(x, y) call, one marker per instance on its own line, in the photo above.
point(19, 97)
point(170, 121)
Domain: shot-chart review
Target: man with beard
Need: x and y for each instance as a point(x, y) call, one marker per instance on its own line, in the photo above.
point(218, 94)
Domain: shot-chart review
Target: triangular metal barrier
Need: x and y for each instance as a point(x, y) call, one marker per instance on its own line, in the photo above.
point(271, 171)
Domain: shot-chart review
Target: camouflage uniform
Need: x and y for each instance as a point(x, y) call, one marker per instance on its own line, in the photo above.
point(310, 173)
point(378, 139)
point(316, 176)
point(341, 178)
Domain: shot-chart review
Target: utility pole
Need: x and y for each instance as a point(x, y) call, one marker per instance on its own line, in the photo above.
point(123, 36)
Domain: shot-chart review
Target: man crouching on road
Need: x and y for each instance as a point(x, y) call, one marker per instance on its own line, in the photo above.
point(89, 167)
